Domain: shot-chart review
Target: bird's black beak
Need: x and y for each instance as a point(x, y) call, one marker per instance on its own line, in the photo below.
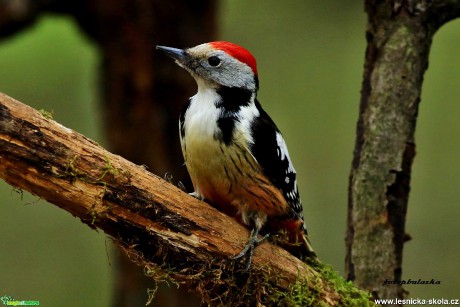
point(175, 53)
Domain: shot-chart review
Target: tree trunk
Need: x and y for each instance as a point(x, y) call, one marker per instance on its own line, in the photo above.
point(399, 36)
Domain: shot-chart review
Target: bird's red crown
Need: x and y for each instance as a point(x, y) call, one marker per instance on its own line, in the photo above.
point(238, 52)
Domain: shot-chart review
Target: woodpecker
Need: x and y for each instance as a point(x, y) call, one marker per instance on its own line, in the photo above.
point(235, 154)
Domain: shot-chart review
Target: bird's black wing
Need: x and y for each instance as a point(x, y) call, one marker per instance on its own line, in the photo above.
point(270, 151)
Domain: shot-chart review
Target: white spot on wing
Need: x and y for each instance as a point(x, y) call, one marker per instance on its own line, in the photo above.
point(246, 116)
point(283, 152)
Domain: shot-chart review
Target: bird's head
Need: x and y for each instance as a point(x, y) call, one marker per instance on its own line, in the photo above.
point(217, 64)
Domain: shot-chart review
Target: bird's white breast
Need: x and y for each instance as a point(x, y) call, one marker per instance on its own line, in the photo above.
point(202, 152)
point(200, 121)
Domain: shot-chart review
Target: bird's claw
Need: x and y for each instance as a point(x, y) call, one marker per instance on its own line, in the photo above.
point(248, 250)
point(196, 195)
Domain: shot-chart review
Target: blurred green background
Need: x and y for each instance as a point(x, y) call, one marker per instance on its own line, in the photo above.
point(310, 57)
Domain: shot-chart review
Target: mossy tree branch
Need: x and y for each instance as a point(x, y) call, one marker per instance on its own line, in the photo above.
point(163, 228)
point(399, 36)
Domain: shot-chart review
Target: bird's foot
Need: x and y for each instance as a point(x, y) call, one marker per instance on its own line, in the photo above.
point(248, 250)
point(196, 195)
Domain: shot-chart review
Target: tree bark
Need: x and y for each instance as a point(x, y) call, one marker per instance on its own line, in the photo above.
point(399, 36)
point(165, 230)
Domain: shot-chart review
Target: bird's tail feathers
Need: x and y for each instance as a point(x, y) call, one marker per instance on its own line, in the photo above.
point(294, 238)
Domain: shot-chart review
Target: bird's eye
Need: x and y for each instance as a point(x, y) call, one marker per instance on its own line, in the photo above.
point(214, 61)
